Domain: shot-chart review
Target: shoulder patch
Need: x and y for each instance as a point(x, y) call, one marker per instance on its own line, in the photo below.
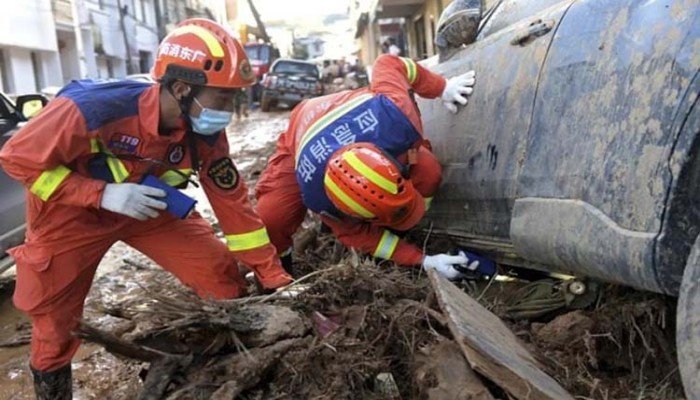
point(176, 153)
point(223, 173)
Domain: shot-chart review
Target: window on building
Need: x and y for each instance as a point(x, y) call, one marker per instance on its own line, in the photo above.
point(110, 68)
point(432, 30)
point(421, 47)
point(5, 78)
point(145, 61)
point(39, 81)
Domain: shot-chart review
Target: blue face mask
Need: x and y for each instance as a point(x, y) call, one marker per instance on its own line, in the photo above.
point(210, 121)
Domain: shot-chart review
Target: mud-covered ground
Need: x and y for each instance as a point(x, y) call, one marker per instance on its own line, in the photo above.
point(362, 325)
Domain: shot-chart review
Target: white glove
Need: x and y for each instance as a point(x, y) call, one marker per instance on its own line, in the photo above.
point(444, 264)
point(132, 200)
point(457, 89)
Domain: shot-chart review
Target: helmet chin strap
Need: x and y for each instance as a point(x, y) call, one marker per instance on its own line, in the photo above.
point(185, 103)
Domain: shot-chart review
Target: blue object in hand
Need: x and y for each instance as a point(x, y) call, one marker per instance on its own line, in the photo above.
point(179, 204)
point(485, 268)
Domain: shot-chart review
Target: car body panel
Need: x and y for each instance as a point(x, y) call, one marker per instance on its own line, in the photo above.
point(595, 176)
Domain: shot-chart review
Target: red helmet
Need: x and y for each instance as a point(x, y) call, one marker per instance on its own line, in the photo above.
point(202, 52)
point(364, 182)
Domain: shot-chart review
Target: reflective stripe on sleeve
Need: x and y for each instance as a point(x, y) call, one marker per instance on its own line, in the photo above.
point(428, 201)
point(48, 182)
point(173, 178)
point(387, 245)
point(411, 69)
point(247, 241)
point(117, 168)
point(94, 145)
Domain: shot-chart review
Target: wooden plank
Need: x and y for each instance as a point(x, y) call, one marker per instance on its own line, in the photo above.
point(491, 348)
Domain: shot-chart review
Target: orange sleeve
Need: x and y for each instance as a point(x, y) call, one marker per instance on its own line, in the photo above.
point(227, 192)
point(40, 156)
point(394, 77)
point(374, 240)
point(392, 73)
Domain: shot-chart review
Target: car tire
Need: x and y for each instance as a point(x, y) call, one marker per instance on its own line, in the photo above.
point(688, 325)
point(265, 103)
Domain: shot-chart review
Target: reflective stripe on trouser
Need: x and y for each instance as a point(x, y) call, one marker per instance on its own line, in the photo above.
point(48, 182)
point(247, 241)
point(387, 245)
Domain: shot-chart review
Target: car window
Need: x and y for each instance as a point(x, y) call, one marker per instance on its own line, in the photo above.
point(8, 118)
point(295, 68)
point(6, 109)
point(260, 53)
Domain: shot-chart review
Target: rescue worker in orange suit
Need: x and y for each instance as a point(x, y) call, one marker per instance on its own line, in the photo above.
point(82, 160)
point(358, 158)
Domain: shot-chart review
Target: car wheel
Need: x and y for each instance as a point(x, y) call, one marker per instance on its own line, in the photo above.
point(688, 325)
point(265, 103)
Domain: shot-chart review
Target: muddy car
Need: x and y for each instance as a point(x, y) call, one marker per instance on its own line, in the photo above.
point(578, 151)
point(290, 82)
point(12, 224)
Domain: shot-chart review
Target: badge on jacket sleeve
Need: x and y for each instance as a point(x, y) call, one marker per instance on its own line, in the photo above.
point(176, 153)
point(223, 173)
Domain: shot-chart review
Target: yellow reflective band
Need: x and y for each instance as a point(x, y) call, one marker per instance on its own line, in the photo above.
point(247, 241)
point(428, 201)
point(346, 199)
point(210, 40)
point(48, 182)
point(172, 178)
point(117, 168)
point(94, 146)
point(387, 245)
point(370, 174)
point(411, 69)
point(328, 119)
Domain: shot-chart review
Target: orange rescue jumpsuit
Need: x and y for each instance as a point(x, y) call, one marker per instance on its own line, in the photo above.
point(94, 133)
point(280, 203)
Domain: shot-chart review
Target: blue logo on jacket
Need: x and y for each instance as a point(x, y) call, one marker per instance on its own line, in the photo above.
point(365, 119)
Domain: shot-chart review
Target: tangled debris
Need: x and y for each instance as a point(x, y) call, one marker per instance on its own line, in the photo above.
point(362, 331)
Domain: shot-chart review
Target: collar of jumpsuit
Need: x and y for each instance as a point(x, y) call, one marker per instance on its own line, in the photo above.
point(149, 115)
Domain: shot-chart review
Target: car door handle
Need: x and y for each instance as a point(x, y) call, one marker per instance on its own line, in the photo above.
point(536, 29)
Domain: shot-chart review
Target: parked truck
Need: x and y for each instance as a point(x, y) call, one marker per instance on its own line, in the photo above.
point(578, 151)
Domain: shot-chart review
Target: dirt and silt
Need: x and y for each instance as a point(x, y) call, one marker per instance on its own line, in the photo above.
point(352, 330)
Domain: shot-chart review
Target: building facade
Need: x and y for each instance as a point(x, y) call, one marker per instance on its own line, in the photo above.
point(48, 43)
point(408, 24)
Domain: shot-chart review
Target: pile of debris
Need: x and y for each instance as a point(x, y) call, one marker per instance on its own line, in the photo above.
point(355, 330)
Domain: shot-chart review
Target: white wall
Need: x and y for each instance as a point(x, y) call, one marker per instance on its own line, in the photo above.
point(27, 23)
point(51, 69)
point(21, 70)
point(69, 56)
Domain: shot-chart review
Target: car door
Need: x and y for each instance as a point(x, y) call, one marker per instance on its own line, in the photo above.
point(483, 146)
point(12, 197)
point(599, 190)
